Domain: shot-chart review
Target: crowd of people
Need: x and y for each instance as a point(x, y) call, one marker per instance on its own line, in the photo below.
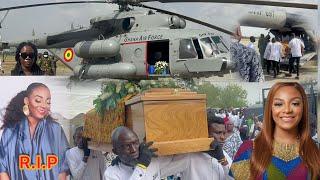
point(246, 124)
point(274, 52)
point(279, 147)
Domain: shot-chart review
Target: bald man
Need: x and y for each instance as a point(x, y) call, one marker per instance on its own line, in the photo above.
point(138, 161)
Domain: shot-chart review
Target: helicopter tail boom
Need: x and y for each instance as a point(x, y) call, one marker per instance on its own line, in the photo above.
point(66, 56)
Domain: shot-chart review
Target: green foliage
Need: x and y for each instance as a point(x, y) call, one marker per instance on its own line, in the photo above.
point(113, 92)
point(212, 93)
point(217, 97)
point(224, 97)
point(160, 83)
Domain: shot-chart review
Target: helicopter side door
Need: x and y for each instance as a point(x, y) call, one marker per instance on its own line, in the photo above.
point(190, 57)
point(207, 60)
point(158, 52)
point(136, 53)
point(180, 51)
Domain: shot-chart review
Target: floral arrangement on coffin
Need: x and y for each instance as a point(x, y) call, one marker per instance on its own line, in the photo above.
point(161, 67)
point(109, 106)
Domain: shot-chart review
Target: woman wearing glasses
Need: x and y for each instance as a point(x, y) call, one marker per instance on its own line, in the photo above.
point(26, 58)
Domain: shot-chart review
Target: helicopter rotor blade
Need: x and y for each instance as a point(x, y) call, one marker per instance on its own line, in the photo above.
point(49, 4)
point(249, 2)
point(189, 19)
point(4, 17)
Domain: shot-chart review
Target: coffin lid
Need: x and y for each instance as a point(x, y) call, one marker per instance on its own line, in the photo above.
point(166, 94)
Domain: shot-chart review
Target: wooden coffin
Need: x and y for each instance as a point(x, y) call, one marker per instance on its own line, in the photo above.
point(174, 119)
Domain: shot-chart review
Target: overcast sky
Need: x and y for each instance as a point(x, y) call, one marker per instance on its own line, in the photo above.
point(52, 19)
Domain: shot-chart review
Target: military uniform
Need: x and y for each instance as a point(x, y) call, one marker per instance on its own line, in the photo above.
point(45, 65)
point(53, 62)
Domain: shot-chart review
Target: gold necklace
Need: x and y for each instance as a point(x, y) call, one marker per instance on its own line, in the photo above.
point(286, 152)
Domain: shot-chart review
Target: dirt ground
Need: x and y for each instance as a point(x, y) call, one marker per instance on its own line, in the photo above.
point(308, 72)
point(10, 62)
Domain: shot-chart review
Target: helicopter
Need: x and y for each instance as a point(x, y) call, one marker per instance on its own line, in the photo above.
point(129, 43)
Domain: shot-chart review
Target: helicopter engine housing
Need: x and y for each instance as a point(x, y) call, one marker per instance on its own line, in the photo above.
point(96, 49)
point(176, 22)
point(116, 70)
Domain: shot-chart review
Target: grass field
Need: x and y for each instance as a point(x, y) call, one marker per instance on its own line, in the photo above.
point(10, 62)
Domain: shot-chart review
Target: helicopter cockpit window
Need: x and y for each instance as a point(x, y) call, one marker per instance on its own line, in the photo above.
point(221, 46)
point(209, 49)
point(186, 49)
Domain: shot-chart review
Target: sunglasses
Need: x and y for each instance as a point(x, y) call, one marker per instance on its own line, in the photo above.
point(25, 55)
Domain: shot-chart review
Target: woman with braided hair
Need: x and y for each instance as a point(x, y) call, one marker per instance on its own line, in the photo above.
point(26, 58)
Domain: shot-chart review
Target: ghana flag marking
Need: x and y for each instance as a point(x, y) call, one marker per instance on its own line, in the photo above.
point(68, 55)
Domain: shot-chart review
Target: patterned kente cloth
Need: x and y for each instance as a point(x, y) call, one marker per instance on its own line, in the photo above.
point(279, 169)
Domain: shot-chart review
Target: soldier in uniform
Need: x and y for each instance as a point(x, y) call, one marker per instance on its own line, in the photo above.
point(45, 64)
point(53, 61)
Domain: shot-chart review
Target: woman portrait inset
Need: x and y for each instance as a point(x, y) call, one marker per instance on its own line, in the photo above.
point(28, 129)
point(284, 149)
point(26, 58)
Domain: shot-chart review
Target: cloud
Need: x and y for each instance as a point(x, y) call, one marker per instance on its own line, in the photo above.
point(48, 19)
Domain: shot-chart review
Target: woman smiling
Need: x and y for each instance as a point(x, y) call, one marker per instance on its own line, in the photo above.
point(26, 58)
point(32, 145)
point(284, 149)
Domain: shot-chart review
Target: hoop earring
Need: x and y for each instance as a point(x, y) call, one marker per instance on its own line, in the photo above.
point(25, 110)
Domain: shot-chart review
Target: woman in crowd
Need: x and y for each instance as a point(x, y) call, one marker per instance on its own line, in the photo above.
point(29, 130)
point(26, 58)
point(284, 148)
point(233, 139)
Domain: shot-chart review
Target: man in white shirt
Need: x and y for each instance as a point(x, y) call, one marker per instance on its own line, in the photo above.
point(275, 55)
point(234, 117)
point(251, 43)
point(84, 163)
point(296, 46)
point(267, 53)
point(135, 162)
